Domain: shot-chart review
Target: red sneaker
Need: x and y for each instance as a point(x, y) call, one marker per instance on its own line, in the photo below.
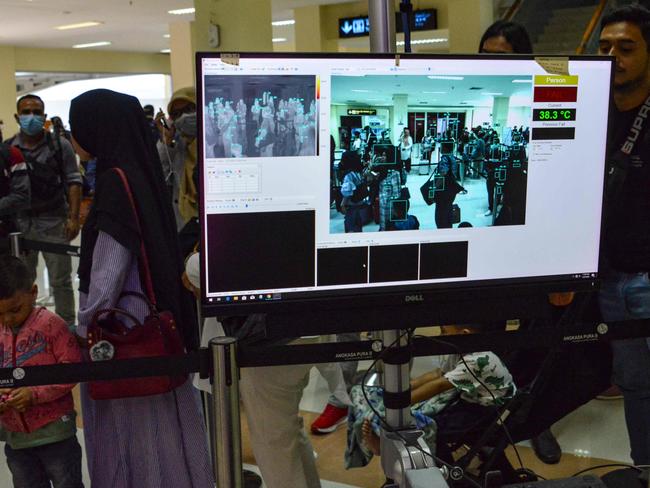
point(329, 420)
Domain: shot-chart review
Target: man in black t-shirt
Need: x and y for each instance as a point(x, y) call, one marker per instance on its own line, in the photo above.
point(625, 292)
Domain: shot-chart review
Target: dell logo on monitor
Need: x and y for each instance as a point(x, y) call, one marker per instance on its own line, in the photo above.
point(413, 298)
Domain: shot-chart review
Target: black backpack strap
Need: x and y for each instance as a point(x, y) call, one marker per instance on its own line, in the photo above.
point(54, 144)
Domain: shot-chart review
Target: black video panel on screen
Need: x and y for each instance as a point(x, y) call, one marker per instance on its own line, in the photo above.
point(393, 263)
point(257, 251)
point(342, 266)
point(443, 260)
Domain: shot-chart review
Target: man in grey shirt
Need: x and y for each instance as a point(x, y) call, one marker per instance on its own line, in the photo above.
point(55, 198)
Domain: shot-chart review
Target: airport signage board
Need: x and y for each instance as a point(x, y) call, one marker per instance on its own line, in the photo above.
point(426, 19)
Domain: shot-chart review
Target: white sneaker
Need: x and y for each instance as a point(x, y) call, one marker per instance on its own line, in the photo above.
point(488, 213)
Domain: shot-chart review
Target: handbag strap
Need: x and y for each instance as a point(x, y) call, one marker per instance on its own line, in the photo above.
point(115, 311)
point(144, 259)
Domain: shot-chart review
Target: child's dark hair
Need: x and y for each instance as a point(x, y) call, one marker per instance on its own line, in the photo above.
point(14, 277)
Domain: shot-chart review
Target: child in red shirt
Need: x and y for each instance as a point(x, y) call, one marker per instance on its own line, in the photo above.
point(38, 422)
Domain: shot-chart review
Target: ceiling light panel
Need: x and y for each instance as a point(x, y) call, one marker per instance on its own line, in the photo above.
point(92, 44)
point(182, 11)
point(445, 77)
point(80, 25)
point(280, 23)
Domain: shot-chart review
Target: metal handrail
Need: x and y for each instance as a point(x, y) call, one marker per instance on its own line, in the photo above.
point(512, 10)
point(591, 26)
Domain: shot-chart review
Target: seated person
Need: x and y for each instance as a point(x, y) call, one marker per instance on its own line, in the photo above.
point(434, 397)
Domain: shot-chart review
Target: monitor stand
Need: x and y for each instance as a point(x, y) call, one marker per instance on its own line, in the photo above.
point(405, 457)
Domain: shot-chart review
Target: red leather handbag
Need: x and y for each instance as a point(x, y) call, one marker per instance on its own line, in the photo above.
point(110, 338)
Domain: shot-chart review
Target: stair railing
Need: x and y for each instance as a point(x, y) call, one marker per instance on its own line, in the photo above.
point(512, 10)
point(588, 36)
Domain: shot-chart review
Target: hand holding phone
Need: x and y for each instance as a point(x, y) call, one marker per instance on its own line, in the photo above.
point(166, 132)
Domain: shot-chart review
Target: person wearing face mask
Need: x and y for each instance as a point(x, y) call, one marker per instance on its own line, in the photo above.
point(177, 150)
point(55, 198)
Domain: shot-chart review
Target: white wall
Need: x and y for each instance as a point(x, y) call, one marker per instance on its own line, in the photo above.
point(149, 89)
point(519, 116)
point(481, 115)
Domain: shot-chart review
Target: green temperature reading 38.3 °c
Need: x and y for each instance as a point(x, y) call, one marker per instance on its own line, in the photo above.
point(560, 114)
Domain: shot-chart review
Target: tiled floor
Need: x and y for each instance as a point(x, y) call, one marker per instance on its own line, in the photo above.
point(473, 205)
point(592, 435)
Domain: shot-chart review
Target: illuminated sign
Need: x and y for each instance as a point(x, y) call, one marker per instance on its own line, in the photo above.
point(426, 19)
point(354, 27)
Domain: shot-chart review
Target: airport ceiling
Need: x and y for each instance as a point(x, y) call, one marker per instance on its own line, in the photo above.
point(470, 91)
point(130, 25)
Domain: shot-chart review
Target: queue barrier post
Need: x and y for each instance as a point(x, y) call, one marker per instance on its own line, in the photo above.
point(14, 242)
point(226, 452)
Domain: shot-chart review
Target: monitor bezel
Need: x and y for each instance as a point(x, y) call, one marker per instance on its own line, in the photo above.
point(393, 297)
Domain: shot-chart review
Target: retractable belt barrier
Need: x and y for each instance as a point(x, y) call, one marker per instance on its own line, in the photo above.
point(31, 245)
point(251, 356)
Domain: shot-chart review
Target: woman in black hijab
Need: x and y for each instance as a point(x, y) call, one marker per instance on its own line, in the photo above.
point(153, 441)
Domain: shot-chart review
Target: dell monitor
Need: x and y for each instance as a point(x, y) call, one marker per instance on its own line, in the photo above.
point(274, 241)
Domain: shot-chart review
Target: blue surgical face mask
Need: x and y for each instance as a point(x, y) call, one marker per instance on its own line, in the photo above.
point(31, 124)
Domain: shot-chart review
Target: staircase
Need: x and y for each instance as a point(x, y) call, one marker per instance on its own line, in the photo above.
point(563, 31)
point(556, 26)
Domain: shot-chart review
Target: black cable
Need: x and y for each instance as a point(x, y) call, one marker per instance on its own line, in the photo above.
point(391, 429)
point(494, 398)
point(639, 468)
point(569, 312)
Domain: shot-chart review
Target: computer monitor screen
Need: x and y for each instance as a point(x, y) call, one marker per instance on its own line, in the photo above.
point(282, 225)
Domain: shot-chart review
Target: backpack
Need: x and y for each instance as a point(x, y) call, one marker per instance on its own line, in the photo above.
point(6, 224)
point(360, 192)
point(5, 168)
point(46, 181)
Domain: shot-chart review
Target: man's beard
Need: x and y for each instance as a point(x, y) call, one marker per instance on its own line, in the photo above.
point(632, 85)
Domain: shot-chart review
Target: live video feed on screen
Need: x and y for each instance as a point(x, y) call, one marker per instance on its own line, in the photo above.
point(330, 175)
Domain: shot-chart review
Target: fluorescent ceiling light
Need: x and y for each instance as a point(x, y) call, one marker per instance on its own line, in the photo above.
point(445, 77)
point(80, 25)
point(165, 51)
point(24, 73)
point(279, 39)
point(435, 93)
point(522, 81)
point(364, 91)
point(166, 36)
point(491, 94)
point(182, 11)
point(279, 23)
point(424, 41)
point(92, 44)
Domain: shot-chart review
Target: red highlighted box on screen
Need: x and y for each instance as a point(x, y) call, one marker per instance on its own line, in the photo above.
point(556, 94)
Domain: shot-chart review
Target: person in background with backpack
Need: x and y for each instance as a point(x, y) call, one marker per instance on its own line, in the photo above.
point(447, 169)
point(58, 129)
point(354, 191)
point(14, 190)
point(55, 198)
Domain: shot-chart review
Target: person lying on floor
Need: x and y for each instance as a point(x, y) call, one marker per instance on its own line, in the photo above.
point(446, 399)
